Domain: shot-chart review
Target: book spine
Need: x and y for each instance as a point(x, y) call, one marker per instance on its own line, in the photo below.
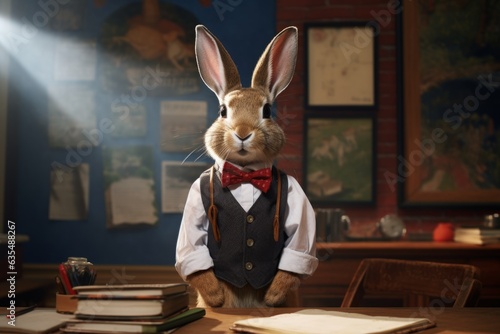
point(177, 321)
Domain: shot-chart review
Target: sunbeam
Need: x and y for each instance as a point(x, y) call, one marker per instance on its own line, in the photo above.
point(49, 59)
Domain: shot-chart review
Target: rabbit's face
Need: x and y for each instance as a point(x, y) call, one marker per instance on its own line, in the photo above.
point(245, 132)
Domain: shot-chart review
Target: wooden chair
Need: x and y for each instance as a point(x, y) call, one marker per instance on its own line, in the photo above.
point(433, 284)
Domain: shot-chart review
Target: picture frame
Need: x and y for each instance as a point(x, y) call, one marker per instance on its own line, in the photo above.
point(339, 160)
point(448, 154)
point(341, 65)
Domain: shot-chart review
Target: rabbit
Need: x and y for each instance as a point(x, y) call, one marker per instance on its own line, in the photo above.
point(247, 244)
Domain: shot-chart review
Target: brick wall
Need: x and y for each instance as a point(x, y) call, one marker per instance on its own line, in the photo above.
point(290, 104)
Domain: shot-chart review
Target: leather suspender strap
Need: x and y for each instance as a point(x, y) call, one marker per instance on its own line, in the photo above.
point(212, 210)
point(276, 221)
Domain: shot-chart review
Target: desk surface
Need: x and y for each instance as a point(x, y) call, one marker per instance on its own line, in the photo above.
point(449, 321)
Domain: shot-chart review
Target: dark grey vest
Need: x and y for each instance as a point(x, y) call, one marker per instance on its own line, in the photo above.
point(247, 251)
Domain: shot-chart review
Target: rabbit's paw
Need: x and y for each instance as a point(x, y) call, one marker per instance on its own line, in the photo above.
point(283, 282)
point(208, 287)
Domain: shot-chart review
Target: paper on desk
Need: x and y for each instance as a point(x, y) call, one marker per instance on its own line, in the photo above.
point(36, 321)
point(314, 321)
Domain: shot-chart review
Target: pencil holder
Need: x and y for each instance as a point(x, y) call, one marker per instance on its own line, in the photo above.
point(66, 303)
point(79, 271)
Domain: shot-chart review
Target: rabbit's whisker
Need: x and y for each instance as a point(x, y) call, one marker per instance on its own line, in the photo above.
point(197, 149)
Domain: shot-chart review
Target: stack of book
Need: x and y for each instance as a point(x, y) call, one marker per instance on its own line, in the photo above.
point(477, 235)
point(132, 308)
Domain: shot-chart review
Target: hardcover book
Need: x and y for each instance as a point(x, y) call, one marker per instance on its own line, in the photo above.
point(136, 326)
point(477, 235)
point(130, 307)
point(125, 290)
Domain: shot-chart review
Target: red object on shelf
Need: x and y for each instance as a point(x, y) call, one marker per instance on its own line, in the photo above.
point(443, 232)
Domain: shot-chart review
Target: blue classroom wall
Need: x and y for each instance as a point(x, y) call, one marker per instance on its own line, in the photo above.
point(244, 27)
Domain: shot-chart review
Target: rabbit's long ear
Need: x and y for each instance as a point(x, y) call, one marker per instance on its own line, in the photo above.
point(216, 67)
point(275, 68)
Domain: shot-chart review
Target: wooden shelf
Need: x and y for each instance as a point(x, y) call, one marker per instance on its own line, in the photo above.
point(339, 261)
point(406, 246)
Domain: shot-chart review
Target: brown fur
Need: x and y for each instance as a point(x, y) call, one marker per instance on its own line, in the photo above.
point(283, 282)
point(208, 287)
point(215, 293)
point(244, 109)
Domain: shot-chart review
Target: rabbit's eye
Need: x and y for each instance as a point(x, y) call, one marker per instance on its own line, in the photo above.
point(266, 111)
point(222, 111)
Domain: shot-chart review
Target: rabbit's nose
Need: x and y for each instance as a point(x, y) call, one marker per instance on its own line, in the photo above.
point(243, 138)
point(243, 133)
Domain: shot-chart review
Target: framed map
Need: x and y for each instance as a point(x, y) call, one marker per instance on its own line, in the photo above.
point(341, 65)
point(340, 160)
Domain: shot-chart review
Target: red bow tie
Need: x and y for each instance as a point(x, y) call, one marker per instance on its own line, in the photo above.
point(261, 179)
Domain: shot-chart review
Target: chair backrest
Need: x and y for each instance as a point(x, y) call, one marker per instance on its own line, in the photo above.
point(445, 284)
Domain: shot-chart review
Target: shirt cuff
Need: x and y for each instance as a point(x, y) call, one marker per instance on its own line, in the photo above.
point(297, 262)
point(195, 261)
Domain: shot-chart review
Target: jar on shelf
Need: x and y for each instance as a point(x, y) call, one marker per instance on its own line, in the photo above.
point(80, 271)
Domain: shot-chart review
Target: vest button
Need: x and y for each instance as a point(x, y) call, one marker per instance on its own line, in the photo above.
point(250, 219)
point(249, 266)
point(250, 242)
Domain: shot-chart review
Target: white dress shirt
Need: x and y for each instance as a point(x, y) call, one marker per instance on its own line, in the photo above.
point(299, 254)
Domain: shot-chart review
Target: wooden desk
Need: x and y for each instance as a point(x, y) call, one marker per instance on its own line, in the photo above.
point(449, 321)
point(338, 262)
